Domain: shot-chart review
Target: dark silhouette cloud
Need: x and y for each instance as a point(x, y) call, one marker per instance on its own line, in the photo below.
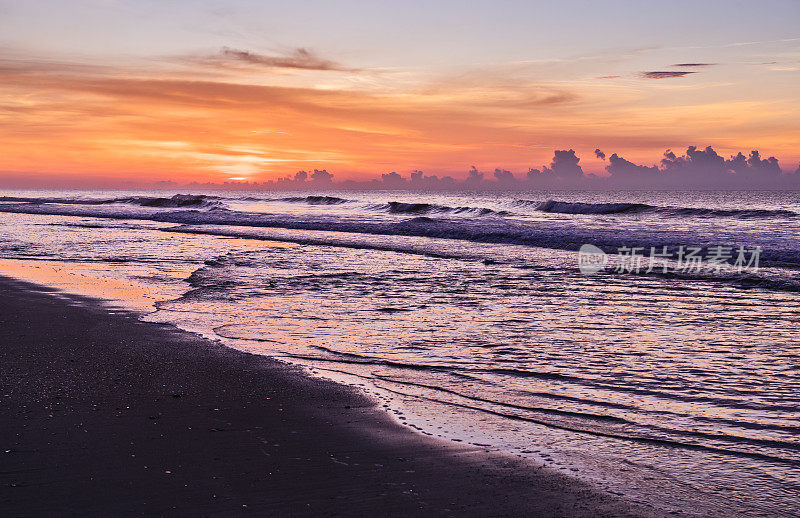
point(321, 177)
point(700, 168)
point(505, 177)
point(294, 182)
point(665, 74)
point(474, 178)
point(418, 180)
point(624, 171)
point(563, 172)
point(392, 180)
point(599, 154)
point(565, 165)
point(694, 169)
point(753, 165)
point(536, 176)
point(695, 161)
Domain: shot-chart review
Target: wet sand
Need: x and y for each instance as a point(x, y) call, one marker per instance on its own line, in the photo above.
point(106, 415)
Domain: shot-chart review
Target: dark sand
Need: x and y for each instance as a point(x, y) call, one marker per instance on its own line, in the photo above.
point(105, 415)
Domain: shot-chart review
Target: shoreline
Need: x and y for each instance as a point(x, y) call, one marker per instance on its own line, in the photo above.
point(106, 413)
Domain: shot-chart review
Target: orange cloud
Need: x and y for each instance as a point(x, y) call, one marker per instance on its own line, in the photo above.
point(163, 123)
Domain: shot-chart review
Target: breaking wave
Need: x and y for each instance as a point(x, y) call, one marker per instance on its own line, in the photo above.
point(563, 207)
point(176, 201)
point(314, 200)
point(396, 207)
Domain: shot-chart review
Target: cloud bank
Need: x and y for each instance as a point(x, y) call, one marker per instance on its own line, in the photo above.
point(695, 169)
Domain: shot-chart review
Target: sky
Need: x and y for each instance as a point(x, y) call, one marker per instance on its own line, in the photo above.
point(213, 91)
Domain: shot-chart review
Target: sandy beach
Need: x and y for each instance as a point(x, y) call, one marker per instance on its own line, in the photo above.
point(107, 415)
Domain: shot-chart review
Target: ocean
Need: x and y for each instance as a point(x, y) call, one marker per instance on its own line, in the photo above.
point(669, 373)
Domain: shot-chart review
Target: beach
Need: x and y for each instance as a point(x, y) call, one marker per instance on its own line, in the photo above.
point(108, 415)
point(466, 322)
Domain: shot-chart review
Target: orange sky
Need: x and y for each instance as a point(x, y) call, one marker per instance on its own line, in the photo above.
point(223, 113)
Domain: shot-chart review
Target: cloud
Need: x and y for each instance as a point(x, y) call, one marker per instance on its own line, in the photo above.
point(117, 118)
point(706, 168)
point(418, 180)
point(565, 164)
point(474, 177)
point(599, 154)
point(321, 177)
point(504, 177)
point(696, 168)
point(625, 172)
point(392, 180)
point(662, 74)
point(300, 59)
point(124, 117)
point(563, 172)
point(753, 165)
point(686, 65)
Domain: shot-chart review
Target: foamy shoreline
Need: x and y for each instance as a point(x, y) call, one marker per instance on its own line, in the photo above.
point(150, 419)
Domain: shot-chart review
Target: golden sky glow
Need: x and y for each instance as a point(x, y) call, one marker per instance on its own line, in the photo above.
point(255, 113)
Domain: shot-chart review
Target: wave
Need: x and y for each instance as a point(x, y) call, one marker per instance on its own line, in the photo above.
point(419, 209)
point(678, 442)
point(729, 438)
point(563, 207)
point(777, 250)
point(176, 201)
point(396, 207)
point(721, 444)
point(314, 200)
point(740, 213)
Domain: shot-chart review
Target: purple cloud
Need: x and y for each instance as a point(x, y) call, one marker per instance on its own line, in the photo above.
point(565, 164)
point(695, 169)
point(321, 176)
point(619, 168)
point(504, 177)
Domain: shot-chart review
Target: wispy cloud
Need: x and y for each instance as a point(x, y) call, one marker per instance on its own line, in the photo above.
point(299, 59)
point(663, 74)
point(687, 65)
